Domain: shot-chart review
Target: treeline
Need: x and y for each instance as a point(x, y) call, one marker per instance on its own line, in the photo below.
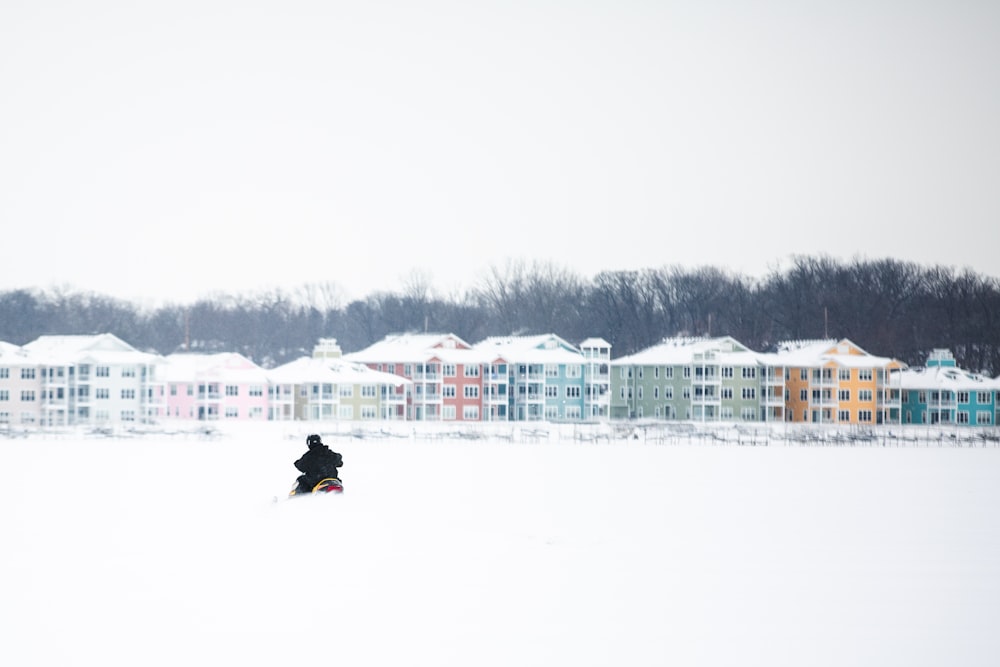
point(888, 307)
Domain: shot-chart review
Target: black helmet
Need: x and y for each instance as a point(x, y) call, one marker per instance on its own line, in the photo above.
point(313, 440)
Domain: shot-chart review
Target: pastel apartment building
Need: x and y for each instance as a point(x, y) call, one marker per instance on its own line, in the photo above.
point(326, 386)
point(548, 378)
point(88, 379)
point(699, 379)
point(210, 387)
point(942, 393)
point(837, 382)
point(446, 375)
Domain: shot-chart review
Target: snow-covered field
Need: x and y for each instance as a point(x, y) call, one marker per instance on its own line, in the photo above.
point(503, 550)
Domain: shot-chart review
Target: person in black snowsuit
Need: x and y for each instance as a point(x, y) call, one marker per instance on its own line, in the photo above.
point(318, 463)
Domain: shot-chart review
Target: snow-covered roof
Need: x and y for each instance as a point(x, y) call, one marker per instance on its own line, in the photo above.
point(537, 349)
point(103, 348)
point(9, 351)
point(946, 377)
point(595, 342)
point(828, 352)
point(682, 350)
point(417, 348)
point(221, 367)
point(310, 370)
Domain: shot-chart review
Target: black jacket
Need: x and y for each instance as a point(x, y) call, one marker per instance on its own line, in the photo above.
point(318, 463)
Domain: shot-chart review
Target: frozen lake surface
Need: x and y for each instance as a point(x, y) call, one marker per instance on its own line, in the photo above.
point(170, 549)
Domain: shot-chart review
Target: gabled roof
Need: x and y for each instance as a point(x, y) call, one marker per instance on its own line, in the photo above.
point(681, 351)
point(90, 348)
point(541, 348)
point(828, 352)
point(220, 367)
point(10, 352)
point(310, 370)
point(946, 377)
point(418, 348)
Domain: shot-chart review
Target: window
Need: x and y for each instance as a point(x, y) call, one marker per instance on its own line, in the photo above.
point(843, 415)
point(803, 395)
point(574, 370)
point(749, 393)
point(470, 413)
point(865, 374)
point(668, 393)
point(922, 397)
point(345, 412)
point(551, 371)
point(726, 412)
point(865, 416)
point(687, 372)
point(448, 391)
point(656, 392)
point(984, 418)
point(844, 374)
point(471, 371)
point(4, 395)
point(27, 395)
point(346, 391)
point(748, 414)
point(4, 373)
point(256, 390)
point(551, 391)
point(574, 392)
point(448, 412)
point(232, 390)
point(983, 397)
point(865, 395)
point(668, 372)
point(844, 395)
point(686, 392)
point(962, 417)
point(749, 373)
point(128, 371)
point(102, 371)
point(963, 397)
point(101, 393)
point(470, 391)
point(128, 394)
point(803, 373)
point(727, 393)
point(448, 370)
point(232, 412)
point(27, 373)
point(369, 391)
point(727, 371)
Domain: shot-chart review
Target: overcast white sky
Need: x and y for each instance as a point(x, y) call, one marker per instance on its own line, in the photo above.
point(168, 150)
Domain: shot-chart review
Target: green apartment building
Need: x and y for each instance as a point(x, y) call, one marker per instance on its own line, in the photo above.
point(700, 379)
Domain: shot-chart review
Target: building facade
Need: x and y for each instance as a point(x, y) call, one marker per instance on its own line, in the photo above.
point(89, 380)
point(942, 393)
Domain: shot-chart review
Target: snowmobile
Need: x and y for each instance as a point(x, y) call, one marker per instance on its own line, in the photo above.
point(326, 485)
